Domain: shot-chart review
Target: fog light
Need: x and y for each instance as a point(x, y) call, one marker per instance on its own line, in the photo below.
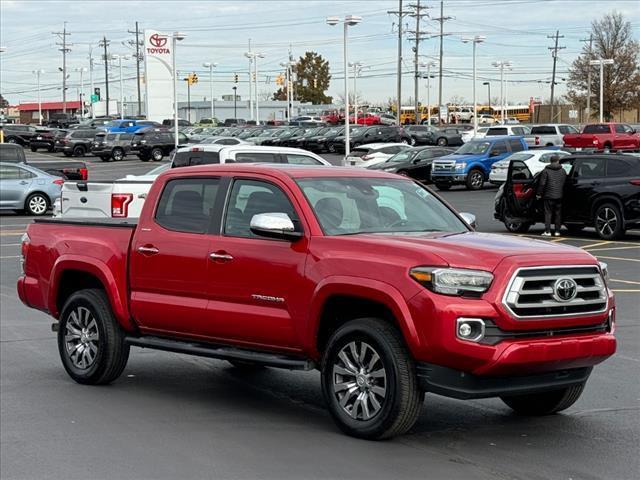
point(470, 329)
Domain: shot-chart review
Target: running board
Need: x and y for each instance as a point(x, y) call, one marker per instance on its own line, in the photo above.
point(222, 352)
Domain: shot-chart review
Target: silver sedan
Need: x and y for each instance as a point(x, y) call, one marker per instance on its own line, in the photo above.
point(26, 189)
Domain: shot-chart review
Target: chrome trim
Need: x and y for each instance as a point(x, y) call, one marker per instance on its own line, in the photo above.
point(478, 337)
point(516, 282)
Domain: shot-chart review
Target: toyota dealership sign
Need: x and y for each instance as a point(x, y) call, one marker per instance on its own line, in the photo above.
point(158, 61)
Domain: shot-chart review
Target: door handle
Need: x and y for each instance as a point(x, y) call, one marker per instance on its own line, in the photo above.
point(595, 183)
point(24, 182)
point(148, 250)
point(222, 257)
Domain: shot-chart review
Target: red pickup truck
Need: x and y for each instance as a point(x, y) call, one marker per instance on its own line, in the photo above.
point(604, 136)
point(367, 276)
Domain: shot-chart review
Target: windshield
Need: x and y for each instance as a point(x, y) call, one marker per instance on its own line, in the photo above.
point(112, 124)
point(348, 206)
point(473, 148)
point(403, 156)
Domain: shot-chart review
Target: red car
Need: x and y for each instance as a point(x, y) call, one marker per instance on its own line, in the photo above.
point(366, 119)
point(604, 136)
point(367, 276)
point(331, 117)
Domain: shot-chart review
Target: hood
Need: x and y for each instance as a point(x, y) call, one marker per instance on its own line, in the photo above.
point(456, 157)
point(473, 250)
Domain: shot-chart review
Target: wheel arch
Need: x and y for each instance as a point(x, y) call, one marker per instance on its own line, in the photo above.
point(606, 198)
point(70, 274)
point(339, 300)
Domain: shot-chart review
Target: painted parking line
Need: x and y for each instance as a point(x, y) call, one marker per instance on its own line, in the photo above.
point(12, 233)
point(10, 244)
point(599, 244)
point(612, 248)
point(626, 290)
point(619, 258)
point(630, 282)
point(9, 256)
point(577, 239)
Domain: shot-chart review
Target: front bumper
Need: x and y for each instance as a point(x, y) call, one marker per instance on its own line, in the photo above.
point(458, 384)
point(451, 178)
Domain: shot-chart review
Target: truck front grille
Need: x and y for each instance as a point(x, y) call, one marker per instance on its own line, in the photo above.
point(556, 292)
point(444, 166)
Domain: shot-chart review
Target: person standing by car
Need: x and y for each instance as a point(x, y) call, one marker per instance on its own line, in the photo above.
point(550, 189)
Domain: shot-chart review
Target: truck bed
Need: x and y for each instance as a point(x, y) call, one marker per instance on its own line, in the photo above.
point(93, 222)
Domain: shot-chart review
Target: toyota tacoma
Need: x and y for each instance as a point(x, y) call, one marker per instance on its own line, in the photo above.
point(366, 276)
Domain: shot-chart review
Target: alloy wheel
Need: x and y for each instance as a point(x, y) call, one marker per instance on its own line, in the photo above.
point(38, 205)
point(359, 380)
point(476, 180)
point(606, 221)
point(81, 338)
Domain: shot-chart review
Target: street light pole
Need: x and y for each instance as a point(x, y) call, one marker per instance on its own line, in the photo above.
point(82, 98)
point(175, 37)
point(601, 62)
point(210, 66)
point(37, 74)
point(120, 58)
point(349, 20)
point(428, 65)
point(356, 70)
point(474, 40)
point(502, 64)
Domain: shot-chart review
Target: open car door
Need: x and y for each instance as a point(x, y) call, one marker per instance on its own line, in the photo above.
point(519, 197)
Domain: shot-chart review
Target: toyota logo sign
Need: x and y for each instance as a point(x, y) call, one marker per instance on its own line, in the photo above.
point(157, 41)
point(565, 289)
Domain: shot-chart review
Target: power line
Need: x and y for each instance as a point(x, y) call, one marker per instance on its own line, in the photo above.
point(441, 19)
point(63, 36)
point(417, 13)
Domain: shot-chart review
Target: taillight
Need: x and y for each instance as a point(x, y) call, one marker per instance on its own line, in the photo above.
point(635, 182)
point(58, 181)
point(366, 157)
point(537, 140)
point(26, 241)
point(84, 173)
point(120, 204)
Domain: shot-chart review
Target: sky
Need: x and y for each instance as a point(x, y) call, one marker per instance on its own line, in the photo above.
point(220, 31)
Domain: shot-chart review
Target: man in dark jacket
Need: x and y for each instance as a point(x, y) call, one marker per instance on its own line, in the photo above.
point(550, 189)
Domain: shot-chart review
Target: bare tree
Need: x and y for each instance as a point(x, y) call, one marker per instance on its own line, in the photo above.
point(612, 38)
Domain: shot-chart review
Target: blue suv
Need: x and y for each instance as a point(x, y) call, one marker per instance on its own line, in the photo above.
point(128, 125)
point(471, 164)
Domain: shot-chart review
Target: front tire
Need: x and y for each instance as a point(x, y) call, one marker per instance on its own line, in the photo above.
point(90, 341)
point(79, 151)
point(475, 180)
point(117, 154)
point(442, 142)
point(607, 219)
point(156, 154)
point(545, 403)
point(37, 204)
point(369, 380)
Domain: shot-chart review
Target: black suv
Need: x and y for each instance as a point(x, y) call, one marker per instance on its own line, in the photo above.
point(601, 191)
point(414, 162)
point(76, 142)
point(154, 144)
point(45, 138)
point(18, 134)
point(110, 146)
point(375, 134)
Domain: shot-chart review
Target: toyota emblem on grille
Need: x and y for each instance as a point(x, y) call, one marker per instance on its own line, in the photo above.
point(565, 289)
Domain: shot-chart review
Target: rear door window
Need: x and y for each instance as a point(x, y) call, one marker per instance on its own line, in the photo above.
point(499, 147)
point(256, 157)
point(516, 145)
point(618, 168)
point(591, 168)
point(189, 158)
point(8, 172)
point(596, 128)
point(298, 159)
point(497, 131)
point(186, 205)
point(544, 130)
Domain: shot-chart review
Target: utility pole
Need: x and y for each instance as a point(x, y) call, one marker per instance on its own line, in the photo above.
point(417, 12)
point(554, 53)
point(138, 59)
point(400, 13)
point(590, 40)
point(441, 19)
point(64, 49)
point(105, 43)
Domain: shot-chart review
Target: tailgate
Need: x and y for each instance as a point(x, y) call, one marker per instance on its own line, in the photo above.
point(86, 199)
point(579, 140)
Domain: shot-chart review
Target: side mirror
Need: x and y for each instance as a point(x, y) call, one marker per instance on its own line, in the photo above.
point(274, 225)
point(470, 219)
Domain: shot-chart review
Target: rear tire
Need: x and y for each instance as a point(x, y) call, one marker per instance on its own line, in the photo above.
point(371, 392)
point(37, 204)
point(79, 151)
point(117, 154)
point(607, 219)
point(156, 154)
point(545, 403)
point(475, 180)
point(442, 142)
point(513, 226)
point(91, 343)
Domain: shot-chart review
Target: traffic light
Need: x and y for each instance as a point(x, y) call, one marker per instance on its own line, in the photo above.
point(192, 79)
point(96, 92)
point(253, 76)
point(315, 83)
point(235, 78)
point(280, 80)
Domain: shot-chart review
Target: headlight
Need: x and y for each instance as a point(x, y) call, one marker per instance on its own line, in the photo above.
point(453, 281)
point(461, 165)
point(604, 268)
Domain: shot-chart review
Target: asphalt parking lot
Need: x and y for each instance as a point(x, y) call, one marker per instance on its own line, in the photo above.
point(177, 417)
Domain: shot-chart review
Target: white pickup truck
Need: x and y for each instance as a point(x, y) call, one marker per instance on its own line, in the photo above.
point(548, 135)
point(125, 197)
